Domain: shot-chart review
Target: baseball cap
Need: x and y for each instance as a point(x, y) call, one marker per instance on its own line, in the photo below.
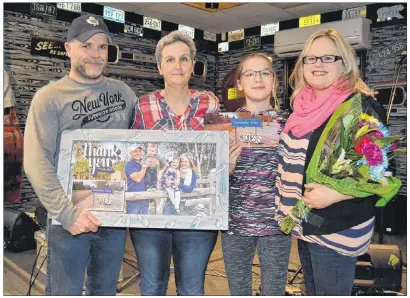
point(133, 148)
point(84, 27)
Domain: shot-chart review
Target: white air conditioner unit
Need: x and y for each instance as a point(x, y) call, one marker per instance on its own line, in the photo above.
point(289, 43)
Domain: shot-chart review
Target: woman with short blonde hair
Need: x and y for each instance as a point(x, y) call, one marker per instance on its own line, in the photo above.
point(326, 76)
point(175, 107)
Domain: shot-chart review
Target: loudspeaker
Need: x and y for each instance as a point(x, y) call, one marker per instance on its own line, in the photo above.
point(19, 231)
point(379, 269)
point(212, 5)
point(393, 216)
point(199, 69)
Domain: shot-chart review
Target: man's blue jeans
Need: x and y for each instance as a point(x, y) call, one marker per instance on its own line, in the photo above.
point(326, 272)
point(68, 255)
point(190, 250)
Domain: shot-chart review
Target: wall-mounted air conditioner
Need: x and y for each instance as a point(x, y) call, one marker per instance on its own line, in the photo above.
point(289, 43)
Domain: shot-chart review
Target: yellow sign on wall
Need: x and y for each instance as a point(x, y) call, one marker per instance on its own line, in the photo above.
point(309, 21)
point(234, 93)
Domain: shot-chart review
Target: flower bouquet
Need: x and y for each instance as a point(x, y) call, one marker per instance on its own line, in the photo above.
point(352, 157)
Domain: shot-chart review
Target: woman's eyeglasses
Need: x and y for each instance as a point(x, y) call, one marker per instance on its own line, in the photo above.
point(324, 59)
point(251, 74)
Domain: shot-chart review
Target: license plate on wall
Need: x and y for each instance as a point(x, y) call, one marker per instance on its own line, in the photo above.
point(113, 14)
point(188, 30)
point(151, 23)
point(269, 29)
point(309, 21)
point(133, 29)
point(70, 6)
point(354, 13)
point(253, 41)
point(44, 10)
point(236, 35)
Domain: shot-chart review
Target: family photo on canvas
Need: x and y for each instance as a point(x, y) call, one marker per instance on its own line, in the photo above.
point(151, 178)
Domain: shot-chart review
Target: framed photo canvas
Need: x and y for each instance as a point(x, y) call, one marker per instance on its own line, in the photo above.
point(148, 178)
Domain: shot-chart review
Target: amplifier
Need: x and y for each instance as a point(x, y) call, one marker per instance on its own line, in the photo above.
point(380, 269)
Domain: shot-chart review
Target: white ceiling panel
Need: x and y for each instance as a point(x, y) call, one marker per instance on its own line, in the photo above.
point(219, 17)
point(176, 9)
point(249, 10)
point(239, 17)
point(268, 19)
point(238, 24)
point(312, 8)
point(351, 4)
point(154, 14)
point(130, 7)
point(284, 5)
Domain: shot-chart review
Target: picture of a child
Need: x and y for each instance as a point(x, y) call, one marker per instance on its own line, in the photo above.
point(170, 181)
point(154, 163)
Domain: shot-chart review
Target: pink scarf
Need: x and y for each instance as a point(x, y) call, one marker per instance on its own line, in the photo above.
point(309, 112)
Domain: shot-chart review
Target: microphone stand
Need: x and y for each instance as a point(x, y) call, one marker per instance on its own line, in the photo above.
point(394, 87)
point(392, 95)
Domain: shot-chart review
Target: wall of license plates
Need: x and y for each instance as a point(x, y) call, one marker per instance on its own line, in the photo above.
point(389, 41)
point(34, 53)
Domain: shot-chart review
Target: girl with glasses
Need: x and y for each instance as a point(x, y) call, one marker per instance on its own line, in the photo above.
point(251, 194)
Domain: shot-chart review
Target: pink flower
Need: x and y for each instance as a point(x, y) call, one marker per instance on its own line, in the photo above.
point(359, 147)
point(373, 154)
point(394, 146)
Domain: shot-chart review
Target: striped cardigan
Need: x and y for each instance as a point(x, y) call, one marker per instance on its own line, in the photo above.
point(351, 242)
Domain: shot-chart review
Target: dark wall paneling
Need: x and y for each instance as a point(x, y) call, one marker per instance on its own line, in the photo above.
point(290, 24)
point(28, 73)
point(253, 31)
point(152, 34)
point(93, 8)
point(267, 39)
point(331, 16)
point(387, 45)
point(236, 45)
point(114, 27)
point(199, 35)
point(67, 16)
point(168, 26)
point(134, 18)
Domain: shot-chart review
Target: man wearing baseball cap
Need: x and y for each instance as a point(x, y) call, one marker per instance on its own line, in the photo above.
point(135, 171)
point(84, 98)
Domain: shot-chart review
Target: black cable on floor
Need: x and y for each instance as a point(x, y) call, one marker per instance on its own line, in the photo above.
point(31, 283)
point(42, 263)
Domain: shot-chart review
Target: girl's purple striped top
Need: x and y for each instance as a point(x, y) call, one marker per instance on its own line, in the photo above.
point(251, 191)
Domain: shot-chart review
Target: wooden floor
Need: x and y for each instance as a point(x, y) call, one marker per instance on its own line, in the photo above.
point(18, 266)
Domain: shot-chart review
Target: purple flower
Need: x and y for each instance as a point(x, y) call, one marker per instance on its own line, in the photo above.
point(372, 125)
point(362, 123)
point(373, 154)
point(377, 134)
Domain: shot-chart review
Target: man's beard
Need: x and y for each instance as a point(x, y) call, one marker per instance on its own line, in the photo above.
point(80, 69)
